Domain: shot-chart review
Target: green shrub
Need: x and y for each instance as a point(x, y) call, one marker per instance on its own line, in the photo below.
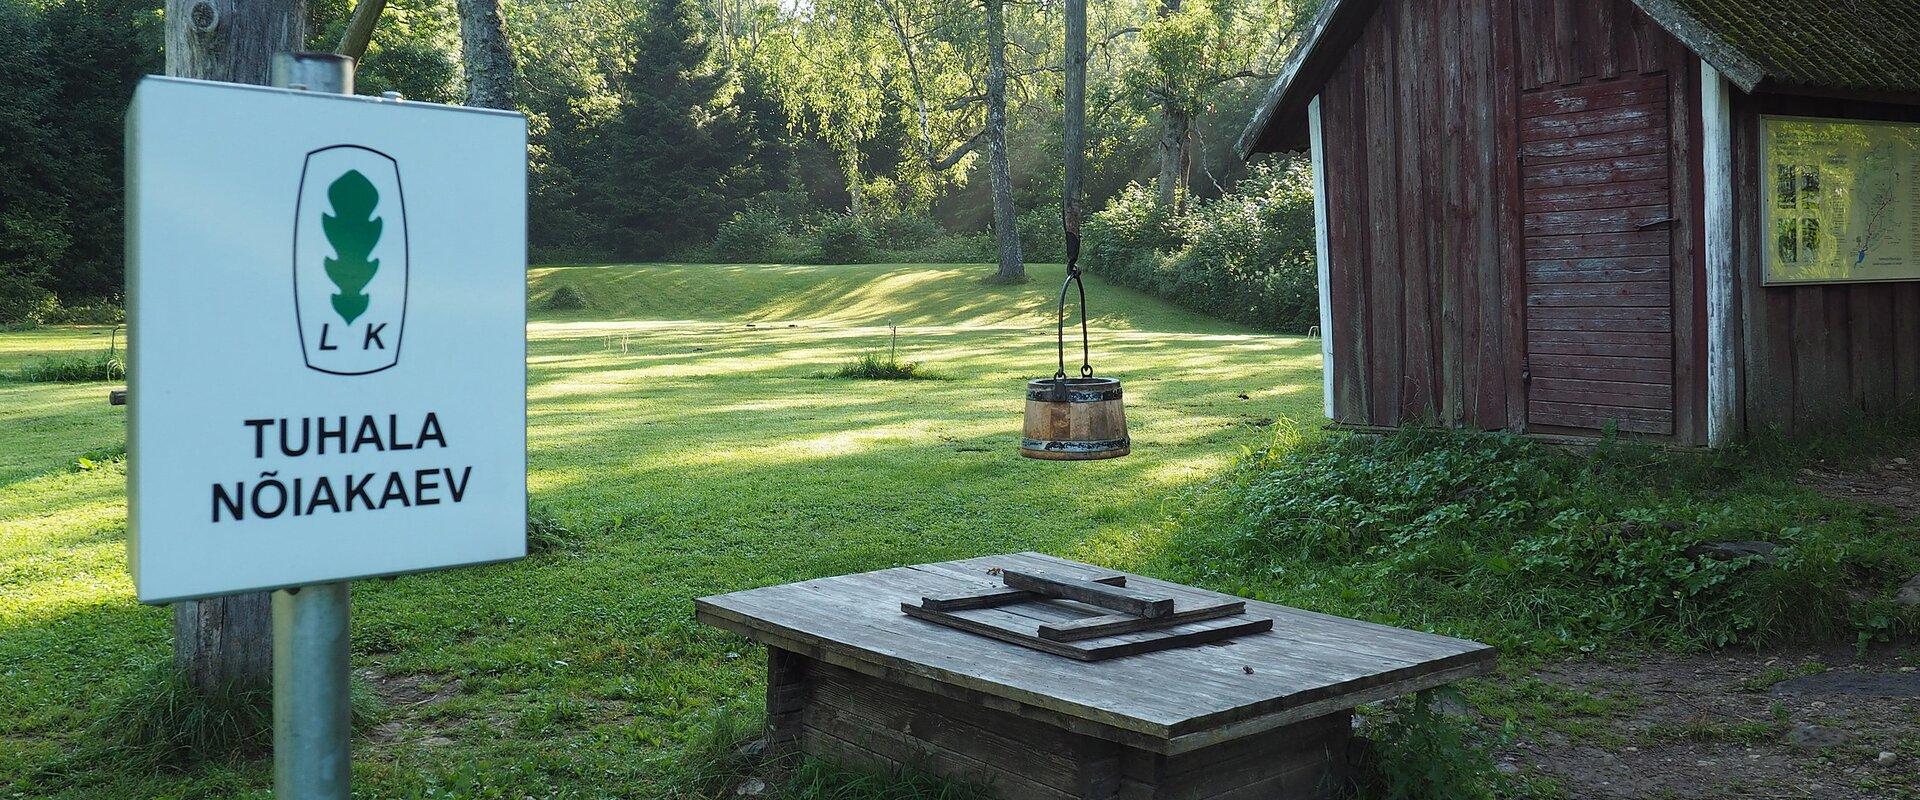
point(1423, 753)
point(952, 248)
point(1247, 256)
point(1534, 548)
point(23, 302)
point(844, 239)
point(907, 232)
point(105, 311)
point(754, 235)
point(1043, 237)
point(565, 298)
point(547, 532)
point(75, 368)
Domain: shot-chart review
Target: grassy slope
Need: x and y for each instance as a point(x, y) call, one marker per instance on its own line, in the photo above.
point(699, 455)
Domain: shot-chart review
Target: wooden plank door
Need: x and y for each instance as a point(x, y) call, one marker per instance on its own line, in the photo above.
point(1598, 202)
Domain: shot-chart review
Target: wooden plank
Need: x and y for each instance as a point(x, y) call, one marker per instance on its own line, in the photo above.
point(1596, 172)
point(1417, 401)
point(1657, 373)
point(1026, 634)
point(1906, 345)
point(989, 596)
point(1627, 294)
point(1597, 417)
point(1115, 597)
point(1602, 147)
point(1110, 624)
point(1603, 348)
point(1384, 270)
point(1504, 341)
point(1609, 394)
point(1343, 107)
point(1594, 122)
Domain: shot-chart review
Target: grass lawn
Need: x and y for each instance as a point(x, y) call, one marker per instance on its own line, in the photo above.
point(681, 427)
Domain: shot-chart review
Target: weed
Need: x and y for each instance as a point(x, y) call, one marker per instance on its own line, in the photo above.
point(1426, 754)
point(719, 756)
point(75, 369)
point(162, 721)
point(546, 531)
point(874, 368)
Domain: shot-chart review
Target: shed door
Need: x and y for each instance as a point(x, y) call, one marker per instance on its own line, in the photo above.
point(1598, 206)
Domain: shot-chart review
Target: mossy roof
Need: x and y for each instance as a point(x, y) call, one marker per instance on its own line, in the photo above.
point(1869, 46)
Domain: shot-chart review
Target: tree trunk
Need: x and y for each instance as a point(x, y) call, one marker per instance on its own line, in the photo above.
point(1175, 136)
point(226, 642)
point(1074, 143)
point(1175, 130)
point(1012, 269)
point(487, 54)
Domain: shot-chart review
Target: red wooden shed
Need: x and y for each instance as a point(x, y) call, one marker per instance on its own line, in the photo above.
point(1683, 220)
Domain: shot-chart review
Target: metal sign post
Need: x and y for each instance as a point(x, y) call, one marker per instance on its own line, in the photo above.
point(312, 710)
point(312, 701)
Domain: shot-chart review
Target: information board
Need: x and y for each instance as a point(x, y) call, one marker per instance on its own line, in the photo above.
point(327, 321)
point(1840, 200)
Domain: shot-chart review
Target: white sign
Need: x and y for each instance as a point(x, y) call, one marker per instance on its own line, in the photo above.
point(327, 313)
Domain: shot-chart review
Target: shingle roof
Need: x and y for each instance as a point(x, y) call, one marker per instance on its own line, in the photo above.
point(1869, 46)
point(1849, 47)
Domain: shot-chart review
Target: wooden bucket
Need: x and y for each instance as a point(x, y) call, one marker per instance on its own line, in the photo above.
point(1075, 419)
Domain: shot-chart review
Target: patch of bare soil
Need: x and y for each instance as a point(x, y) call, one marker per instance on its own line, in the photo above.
point(1829, 724)
point(401, 697)
point(1892, 481)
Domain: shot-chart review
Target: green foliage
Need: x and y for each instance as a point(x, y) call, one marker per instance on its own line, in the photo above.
point(353, 231)
point(1423, 753)
point(1247, 256)
point(717, 758)
point(844, 239)
point(70, 67)
point(70, 368)
point(1537, 549)
point(875, 367)
point(565, 298)
point(161, 721)
point(547, 532)
point(754, 235)
point(1043, 236)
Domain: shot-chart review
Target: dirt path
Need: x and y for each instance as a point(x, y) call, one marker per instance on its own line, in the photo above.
point(1824, 723)
point(1892, 481)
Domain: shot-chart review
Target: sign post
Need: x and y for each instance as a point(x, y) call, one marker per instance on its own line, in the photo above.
point(327, 304)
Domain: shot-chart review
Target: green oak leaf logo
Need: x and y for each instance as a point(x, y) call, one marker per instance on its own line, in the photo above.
point(353, 231)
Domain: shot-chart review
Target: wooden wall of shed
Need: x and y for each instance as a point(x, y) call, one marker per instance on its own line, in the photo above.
point(1814, 355)
point(1422, 142)
point(1419, 161)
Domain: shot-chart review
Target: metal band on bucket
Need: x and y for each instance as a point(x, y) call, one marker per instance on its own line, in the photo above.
point(1073, 390)
point(1052, 446)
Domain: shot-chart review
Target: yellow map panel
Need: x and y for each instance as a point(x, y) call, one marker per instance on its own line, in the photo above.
point(1840, 200)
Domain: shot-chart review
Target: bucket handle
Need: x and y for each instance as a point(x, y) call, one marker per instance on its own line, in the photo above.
point(1073, 279)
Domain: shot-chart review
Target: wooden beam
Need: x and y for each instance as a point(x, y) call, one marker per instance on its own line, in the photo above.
point(1723, 318)
point(1116, 598)
point(1322, 250)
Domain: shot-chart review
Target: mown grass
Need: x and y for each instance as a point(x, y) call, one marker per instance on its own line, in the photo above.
point(680, 445)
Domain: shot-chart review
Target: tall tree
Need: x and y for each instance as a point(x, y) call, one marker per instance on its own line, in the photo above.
point(675, 155)
point(1193, 47)
point(487, 53)
point(226, 642)
point(1005, 229)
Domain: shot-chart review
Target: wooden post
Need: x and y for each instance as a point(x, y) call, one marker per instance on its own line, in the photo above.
point(226, 642)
